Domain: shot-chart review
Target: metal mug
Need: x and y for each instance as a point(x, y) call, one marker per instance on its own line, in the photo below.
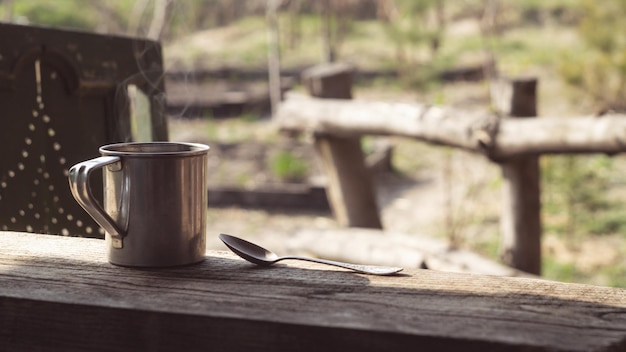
point(155, 200)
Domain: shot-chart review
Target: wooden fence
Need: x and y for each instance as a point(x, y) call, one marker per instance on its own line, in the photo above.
point(513, 140)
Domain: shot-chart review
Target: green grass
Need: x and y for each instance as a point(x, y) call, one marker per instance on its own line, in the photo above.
point(610, 275)
point(614, 276)
point(288, 167)
point(566, 272)
point(59, 13)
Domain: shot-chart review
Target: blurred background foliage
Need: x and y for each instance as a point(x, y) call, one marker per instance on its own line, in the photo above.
point(412, 37)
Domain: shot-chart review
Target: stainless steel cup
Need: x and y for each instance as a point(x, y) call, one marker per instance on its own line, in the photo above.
point(155, 200)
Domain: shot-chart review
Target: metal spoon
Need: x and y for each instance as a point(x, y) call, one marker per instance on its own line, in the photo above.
point(261, 256)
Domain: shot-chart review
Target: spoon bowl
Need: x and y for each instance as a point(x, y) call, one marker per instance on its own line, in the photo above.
point(261, 256)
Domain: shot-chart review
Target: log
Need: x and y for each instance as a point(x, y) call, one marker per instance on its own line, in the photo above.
point(350, 185)
point(332, 80)
point(342, 118)
point(561, 135)
point(475, 131)
point(59, 294)
point(350, 188)
point(520, 244)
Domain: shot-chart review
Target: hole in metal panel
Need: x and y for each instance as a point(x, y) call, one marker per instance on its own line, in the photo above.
point(38, 77)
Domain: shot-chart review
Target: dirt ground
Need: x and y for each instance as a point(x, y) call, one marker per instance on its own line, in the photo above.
point(409, 204)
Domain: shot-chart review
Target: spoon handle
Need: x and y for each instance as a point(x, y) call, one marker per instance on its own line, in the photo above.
point(365, 269)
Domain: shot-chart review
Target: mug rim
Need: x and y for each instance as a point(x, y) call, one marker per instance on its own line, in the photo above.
point(169, 149)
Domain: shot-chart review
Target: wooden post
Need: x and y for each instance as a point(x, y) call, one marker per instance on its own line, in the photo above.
point(273, 54)
point(520, 245)
point(350, 187)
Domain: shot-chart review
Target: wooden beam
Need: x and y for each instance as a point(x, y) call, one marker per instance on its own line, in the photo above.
point(520, 245)
point(474, 131)
point(345, 118)
point(59, 294)
point(350, 186)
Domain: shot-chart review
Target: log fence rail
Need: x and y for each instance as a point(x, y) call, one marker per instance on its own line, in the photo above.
point(506, 136)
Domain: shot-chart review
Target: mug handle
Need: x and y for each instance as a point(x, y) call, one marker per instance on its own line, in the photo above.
point(81, 190)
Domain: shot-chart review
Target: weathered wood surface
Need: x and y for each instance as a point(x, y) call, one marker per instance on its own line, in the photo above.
point(520, 245)
point(350, 187)
point(476, 131)
point(520, 219)
point(59, 294)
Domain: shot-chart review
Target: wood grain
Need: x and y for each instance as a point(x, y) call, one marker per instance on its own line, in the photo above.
point(350, 187)
point(59, 294)
point(520, 219)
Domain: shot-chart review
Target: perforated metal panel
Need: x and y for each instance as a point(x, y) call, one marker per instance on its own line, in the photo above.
point(62, 96)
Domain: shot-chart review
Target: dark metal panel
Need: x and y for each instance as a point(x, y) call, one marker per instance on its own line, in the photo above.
point(62, 95)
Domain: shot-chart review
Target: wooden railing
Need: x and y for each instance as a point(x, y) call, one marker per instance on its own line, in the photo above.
point(59, 294)
point(504, 137)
